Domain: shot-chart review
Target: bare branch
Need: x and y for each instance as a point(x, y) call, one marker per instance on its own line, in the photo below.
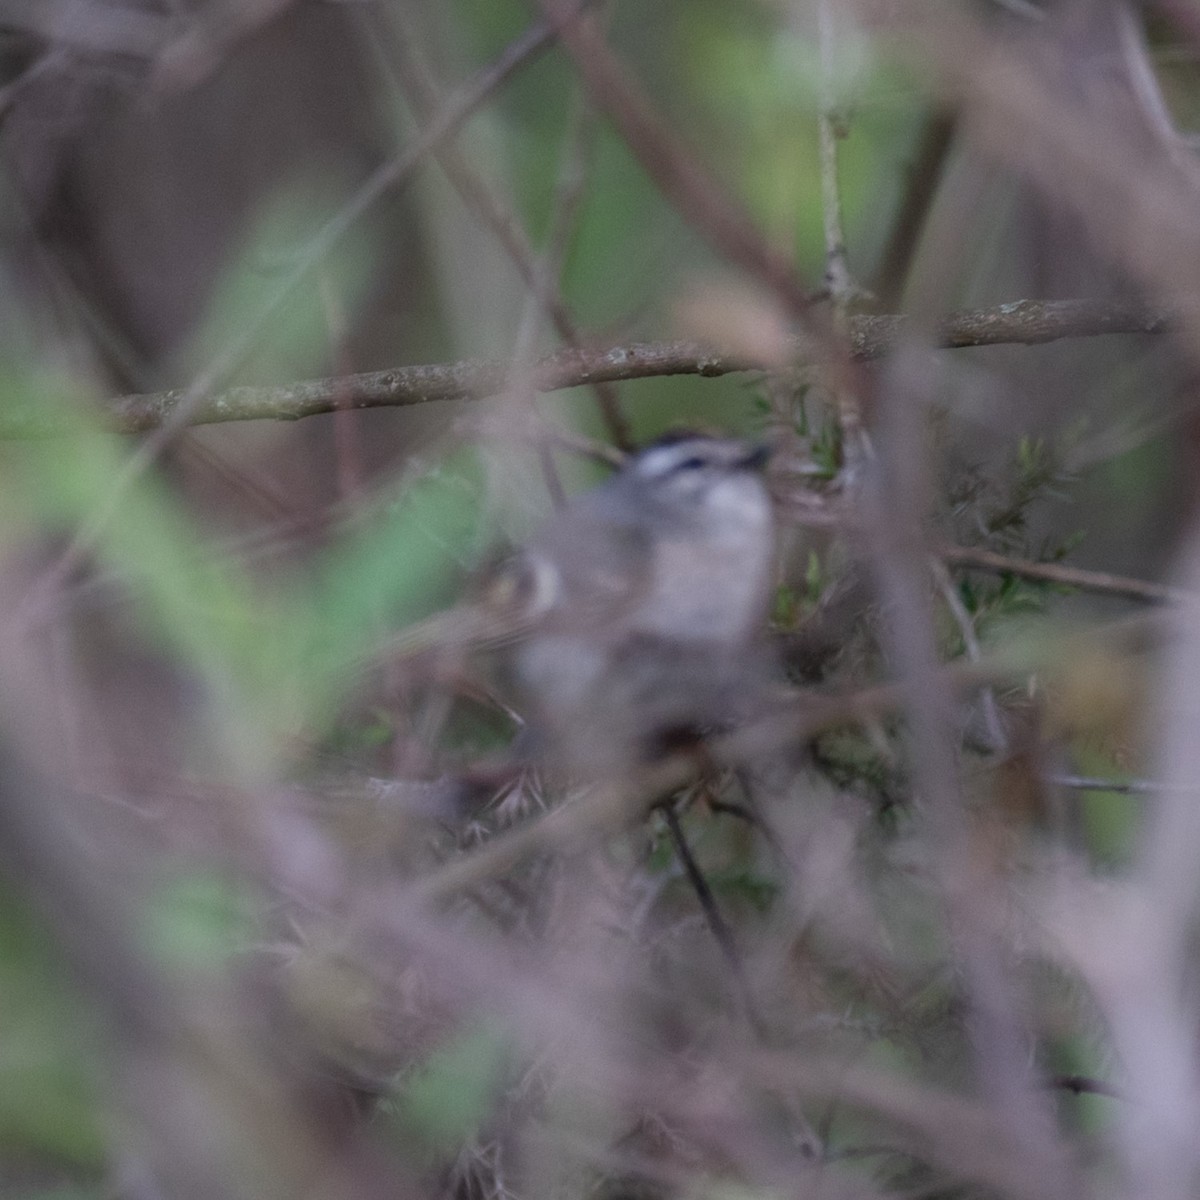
point(829, 128)
point(1024, 322)
point(841, 286)
point(1027, 322)
point(997, 739)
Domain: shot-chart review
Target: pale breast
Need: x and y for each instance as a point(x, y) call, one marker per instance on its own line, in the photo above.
point(716, 590)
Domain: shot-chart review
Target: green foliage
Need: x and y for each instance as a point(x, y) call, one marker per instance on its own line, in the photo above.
point(251, 280)
point(271, 658)
point(624, 209)
point(816, 424)
point(851, 760)
point(1136, 481)
point(1000, 510)
point(196, 921)
point(1000, 514)
point(388, 571)
point(50, 1101)
point(814, 578)
point(744, 884)
point(443, 1102)
point(732, 64)
point(791, 605)
point(1110, 820)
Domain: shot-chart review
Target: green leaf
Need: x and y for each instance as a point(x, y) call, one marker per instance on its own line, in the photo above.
point(396, 568)
point(445, 1101)
point(813, 577)
point(198, 919)
point(49, 1101)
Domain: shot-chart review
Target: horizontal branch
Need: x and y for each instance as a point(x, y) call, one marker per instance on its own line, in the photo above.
point(1021, 322)
point(1024, 322)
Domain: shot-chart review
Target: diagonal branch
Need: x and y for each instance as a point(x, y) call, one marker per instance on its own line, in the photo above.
point(482, 199)
point(670, 164)
point(186, 406)
point(977, 558)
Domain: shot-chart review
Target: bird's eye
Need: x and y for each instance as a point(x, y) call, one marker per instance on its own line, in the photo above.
point(692, 464)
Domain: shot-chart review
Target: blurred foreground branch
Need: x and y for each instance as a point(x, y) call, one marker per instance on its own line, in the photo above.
point(1023, 322)
point(616, 804)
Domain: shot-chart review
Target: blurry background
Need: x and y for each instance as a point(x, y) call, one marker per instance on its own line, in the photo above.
point(278, 915)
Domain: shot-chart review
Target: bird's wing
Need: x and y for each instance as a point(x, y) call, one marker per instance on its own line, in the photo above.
point(580, 575)
point(593, 568)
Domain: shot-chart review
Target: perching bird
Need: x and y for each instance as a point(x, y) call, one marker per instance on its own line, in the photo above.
point(642, 605)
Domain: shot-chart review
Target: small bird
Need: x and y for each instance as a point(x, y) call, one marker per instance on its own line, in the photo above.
point(642, 606)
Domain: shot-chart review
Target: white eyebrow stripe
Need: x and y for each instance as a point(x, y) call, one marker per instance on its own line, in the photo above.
point(663, 459)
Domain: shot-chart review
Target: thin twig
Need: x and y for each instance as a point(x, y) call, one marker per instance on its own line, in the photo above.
point(1077, 577)
point(924, 176)
point(688, 186)
point(840, 285)
point(717, 924)
point(829, 129)
point(1089, 783)
point(966, 626)
point(564, 210)
point(1023, 322)
point(482, 199)
point(1083, 1085)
